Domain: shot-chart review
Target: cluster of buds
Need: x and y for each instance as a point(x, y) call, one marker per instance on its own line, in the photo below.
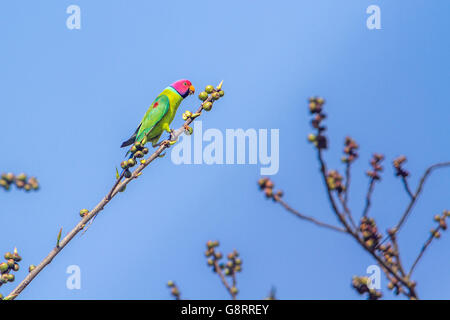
point(189, 115)
point(369, 232)
point(399, 170)
point(174, 291)
point(315, 108)
point(11, 264)
point(361, 284)
point(266, 185)
point(350, 150)
point(21, 181)
point(375, 163)
point(442, 223)
point(394, 284)
point(210, 95)
point(388, 254)
point(137, 151)
point(230, 268)
point(335, 181)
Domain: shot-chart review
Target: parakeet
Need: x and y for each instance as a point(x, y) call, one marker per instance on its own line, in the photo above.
point(160, 115)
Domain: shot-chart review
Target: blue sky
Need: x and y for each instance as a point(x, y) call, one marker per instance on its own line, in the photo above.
point(70, 97)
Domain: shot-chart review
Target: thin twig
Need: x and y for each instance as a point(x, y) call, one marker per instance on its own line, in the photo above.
point(347, 211)
point(99, 207)
point(323, 170)
point(397, 253)
point(369, 197)
point(224, 280)
point(347, 182)
point(422, 251)
point(407, 188)
point(418, 192)
point(307, 218)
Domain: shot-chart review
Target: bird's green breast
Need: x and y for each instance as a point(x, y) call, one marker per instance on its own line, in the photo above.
point(174, 102)
point(175, 99)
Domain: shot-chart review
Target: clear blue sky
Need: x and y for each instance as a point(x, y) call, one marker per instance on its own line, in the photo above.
point(70, 97)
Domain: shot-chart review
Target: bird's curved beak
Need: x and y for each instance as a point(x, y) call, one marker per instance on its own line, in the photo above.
point(191, 90)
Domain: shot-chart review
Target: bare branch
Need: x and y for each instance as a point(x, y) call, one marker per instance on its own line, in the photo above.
point(224, 280)
point(435, 234)
point(416, 195)
point(369, 197)
point(307, 218)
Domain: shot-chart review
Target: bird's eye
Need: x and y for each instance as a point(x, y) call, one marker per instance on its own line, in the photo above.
point(185, 84)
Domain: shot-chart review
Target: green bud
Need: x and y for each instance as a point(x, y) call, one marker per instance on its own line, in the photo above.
point(139, 154)
point(207, 106)
point(145, 150)
point(31, 267)
point(10, 263)
point(133, 149)
point(170, 283)
point(8, 255)
point(11, 277)
point(4, 278)
point(210, 262)
point(188, 130)
point(124, 164)
point(16, 257)
point(131, 162)
point(3, 267)
point(221, 93)
point(127, 173)
point(216, 96)
point(311, 137)
point(209, 89)
point(83, 212)
point(16, 267)
point(203, 96)
point(234, 290)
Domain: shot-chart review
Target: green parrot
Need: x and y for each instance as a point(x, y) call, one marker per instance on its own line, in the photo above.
point(160, 115)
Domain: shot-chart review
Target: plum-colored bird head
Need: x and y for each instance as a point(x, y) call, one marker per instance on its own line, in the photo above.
point(183, 87)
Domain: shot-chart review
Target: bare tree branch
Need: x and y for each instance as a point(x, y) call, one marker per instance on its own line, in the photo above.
point(416, 195)
point(307, 218)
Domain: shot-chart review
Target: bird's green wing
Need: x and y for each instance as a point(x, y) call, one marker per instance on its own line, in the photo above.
point(153, 115)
